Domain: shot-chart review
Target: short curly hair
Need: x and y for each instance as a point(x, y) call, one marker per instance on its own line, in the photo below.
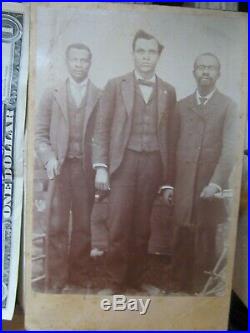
point(79, 46)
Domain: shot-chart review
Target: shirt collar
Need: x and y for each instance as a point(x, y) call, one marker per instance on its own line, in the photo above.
point(138, 76)
point(75, 84)
point(198, 96)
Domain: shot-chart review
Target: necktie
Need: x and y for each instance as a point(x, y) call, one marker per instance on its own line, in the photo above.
point(203, 100)
point(145, 83)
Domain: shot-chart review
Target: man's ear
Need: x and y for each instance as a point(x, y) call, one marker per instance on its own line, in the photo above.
point(163, 50)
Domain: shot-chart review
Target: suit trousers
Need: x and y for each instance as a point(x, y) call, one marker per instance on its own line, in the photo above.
point(69, 227)
point(134, 187)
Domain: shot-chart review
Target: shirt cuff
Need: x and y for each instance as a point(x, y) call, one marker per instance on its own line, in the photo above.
point(165, 187)
point(217, 186)
point(99, 165)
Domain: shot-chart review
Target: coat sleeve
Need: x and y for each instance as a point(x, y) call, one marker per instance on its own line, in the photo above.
point(172, 140)
point(229, 147)
point(42, 130)
point(103, 124)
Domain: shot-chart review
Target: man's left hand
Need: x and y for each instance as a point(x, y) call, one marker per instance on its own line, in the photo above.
point(209, 191)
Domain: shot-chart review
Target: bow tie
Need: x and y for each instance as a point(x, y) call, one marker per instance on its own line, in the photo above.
point(203, 100)
point(145, 83)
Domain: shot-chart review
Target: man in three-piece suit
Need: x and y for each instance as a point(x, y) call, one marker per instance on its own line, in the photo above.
point(65, 123)
point(132, 158)
point(206, 153)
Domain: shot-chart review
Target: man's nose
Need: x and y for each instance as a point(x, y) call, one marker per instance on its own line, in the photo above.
point(78, 63)
point(205, 70)
point(146, 56)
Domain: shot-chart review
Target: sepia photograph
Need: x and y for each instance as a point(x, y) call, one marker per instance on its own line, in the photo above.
point(136, 142)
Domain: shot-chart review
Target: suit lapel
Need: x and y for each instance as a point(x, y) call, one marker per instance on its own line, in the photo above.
point(92, 97)
point(162, 99)
point(61, 98)
point(212, 105)
point(128, 91)
point(195, 108)
point(208, 109)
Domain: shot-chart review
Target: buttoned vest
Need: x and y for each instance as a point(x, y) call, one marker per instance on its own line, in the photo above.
point(76, 122)
point(143, 137)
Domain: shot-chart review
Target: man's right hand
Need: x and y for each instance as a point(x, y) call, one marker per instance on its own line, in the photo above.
point(52, 168)
point(168, 196)
point(102, 179)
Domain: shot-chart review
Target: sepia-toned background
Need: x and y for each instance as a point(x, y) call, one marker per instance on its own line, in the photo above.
point(110, 36)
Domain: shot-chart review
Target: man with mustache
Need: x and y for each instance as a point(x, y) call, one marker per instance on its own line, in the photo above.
point(64, 130)
point(207, 123)
point(133, 158)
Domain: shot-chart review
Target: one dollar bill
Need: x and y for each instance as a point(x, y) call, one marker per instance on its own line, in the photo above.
point(15, 51)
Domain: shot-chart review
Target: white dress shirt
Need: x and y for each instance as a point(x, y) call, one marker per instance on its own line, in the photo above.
point(207, 97)
point(145, 90)
point(78, 90)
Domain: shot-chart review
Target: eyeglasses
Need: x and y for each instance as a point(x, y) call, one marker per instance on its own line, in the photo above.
point(209, 68)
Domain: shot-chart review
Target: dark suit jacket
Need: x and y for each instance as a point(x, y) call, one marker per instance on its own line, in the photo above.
point(114, 119)
point(206, 153)
point(52, 124)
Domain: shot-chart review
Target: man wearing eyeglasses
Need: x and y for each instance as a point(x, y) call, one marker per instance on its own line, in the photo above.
point(206, 153)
